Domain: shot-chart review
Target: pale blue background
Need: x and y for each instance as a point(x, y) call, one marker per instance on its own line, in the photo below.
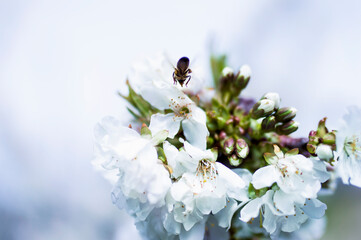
point(61, 63)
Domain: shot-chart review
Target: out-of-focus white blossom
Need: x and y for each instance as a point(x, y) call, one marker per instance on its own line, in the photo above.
point(141, 180)
point(348, 142)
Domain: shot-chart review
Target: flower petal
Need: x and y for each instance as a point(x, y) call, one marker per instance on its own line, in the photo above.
point(224, 217)
point(265, 177)
point(314, 208)
point(233, 182)
point(159, 122)
point(251, 210)
point(195, 132)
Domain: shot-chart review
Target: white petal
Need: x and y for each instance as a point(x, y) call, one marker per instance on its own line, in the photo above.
point(270, 220)
point(234, 183)
point(251, 210)
point(180, 190)
point(314, 208)
point(159, 122)
point(265, 177)
point(207, 203)
point(293, 222)
point(224, 217)
point(197, 232)
point(197, 153)
point(284, 203)
point(320, 170)
point(160, 96)
point(195, 132)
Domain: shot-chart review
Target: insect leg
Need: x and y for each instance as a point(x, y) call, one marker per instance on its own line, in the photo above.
point(189, 78)
point(174, 81)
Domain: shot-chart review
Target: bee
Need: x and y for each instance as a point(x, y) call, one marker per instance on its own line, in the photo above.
point(181, 73)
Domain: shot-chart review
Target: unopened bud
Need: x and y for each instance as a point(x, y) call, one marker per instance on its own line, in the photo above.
point(227, 72)
point(245, 71)
point(324, 152)
point(273, 97)
point(242, 148)
point(285, 114)
point(263, 108)
point(221, 122)
point(311, 148)
point(234, 160)
point(222, 135)
point(268, 123)
point(287, 128)
point(243, 76)
point(228, 146)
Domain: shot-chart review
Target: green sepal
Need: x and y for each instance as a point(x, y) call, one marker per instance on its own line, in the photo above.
point(161, 155)
point(270, 158)
point(292, 152)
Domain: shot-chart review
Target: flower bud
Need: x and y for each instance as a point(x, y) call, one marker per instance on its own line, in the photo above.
point(222, 135)
point(245, 71)
point(221, 122)
point(243, 77)
point(263, 108)
point(228, 146)
point(234, 160)
point(227, 72)
point(273, 97)
point(287, 128)
point(268, 123)
point(311, 148)
point(324, 152)
point(242, 148)
point(285, 114)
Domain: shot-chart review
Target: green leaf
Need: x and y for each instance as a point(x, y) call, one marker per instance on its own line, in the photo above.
point(218, 63)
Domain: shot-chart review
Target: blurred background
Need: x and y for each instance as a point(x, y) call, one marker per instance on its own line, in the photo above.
point(61, 63)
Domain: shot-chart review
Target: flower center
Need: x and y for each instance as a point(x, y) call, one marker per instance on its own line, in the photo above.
point(181, 108)
point(288, 168)
point(353, 146)
point(206, 171)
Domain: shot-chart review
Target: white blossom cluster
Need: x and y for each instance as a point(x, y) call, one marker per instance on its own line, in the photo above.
point(187, 193)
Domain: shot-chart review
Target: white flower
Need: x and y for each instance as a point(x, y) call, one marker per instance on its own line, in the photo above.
point(273, 220)
point(153, 80)
point(294, 174)
point(348, 143)
point(142, 180)
point(185, 113)
point(205, 187)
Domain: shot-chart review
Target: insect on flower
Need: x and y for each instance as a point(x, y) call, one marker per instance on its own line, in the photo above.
point(181, 73)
